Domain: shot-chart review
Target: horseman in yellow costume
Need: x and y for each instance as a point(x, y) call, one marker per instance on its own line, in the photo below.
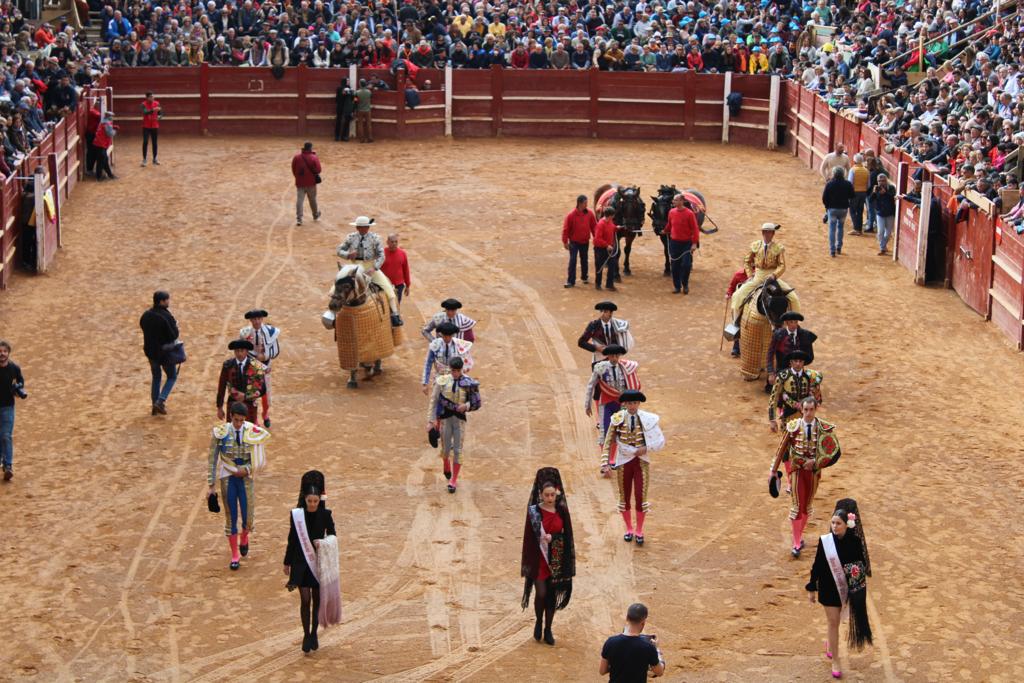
point(766, 257)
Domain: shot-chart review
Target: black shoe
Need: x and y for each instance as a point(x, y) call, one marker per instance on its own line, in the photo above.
point(833, 254)
point(548, 638)
point(314, 641)
point(244, 549)
point(396, 321)
point(795, 552)
point(627, 537)
point(675, 291)
point(155, 411)
point(266, 423)
point(161, 407)
point(305, 644)
point(597, 286)
point(568, 285)
point(586, 280)
point(839, 251)
point(639, 539)
point(234, 566)
point(734, 354)
point(8, 474)
point(611, 288)
point(824, 219)
point(451, 489)
point(686, 289)
point(536, 631)
point(316, 217)
point(447, 475)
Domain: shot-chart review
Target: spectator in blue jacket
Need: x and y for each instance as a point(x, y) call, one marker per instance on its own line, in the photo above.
point(118, 27)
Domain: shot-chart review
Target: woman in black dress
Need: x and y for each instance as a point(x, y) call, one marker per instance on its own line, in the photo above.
point(549, 554)
point(851, 549)
point(319, 523)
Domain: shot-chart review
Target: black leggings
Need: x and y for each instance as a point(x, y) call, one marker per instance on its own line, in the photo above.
point(307, 596)
point(148, 133)
point(544, 602)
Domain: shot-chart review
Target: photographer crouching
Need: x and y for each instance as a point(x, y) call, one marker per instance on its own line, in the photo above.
point(629, 656)
point(11, 384)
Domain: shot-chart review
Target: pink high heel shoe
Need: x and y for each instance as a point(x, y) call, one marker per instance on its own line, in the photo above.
point(827, 653)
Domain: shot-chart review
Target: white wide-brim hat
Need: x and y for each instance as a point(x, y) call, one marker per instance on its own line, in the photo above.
point(362, 222)
point(770, 227)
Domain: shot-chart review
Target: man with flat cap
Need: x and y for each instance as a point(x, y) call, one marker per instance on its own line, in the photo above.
point(364, 248)
point(765, 257)
point(450, 313)
point(265, 348)
point(634, 434)
point(442, 350)
point(607, 329)
point(788, 338)
point(241, 380)
point(608, 379)
point(792, 385)
point(454, 395)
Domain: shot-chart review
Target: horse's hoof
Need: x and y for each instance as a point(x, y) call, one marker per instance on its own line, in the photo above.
point(352, 384)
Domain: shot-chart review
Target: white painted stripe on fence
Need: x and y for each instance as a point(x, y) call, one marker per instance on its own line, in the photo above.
point(726, 90)
point(746, 108)
point(320, 117)
point(430, 106)
point(541, 98)
point(389, 107)
point(773, 113)
point(758, 126)
point(629, 101)
point(255, 95)
point(448, 100)
point(384, 121)
point(163, 118)
point(472, 97)
point(643, 123)
point(709, 101)
point(437, 119)
point(471, 118)
point(518, 120)
point(711, 124)
point(183, 96)
point(248, 117)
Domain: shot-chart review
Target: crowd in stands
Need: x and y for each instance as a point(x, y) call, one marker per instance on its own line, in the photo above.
point(41, 76)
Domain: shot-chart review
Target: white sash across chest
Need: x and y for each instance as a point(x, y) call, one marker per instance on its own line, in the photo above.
point(828, 544)
point(299, 518)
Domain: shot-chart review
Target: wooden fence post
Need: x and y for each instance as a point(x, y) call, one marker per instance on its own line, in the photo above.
point(773, 113)
point(448, 100)
point(726, 90)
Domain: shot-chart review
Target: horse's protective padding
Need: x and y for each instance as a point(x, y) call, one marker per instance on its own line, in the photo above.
point(364, 332)
point(755, 337)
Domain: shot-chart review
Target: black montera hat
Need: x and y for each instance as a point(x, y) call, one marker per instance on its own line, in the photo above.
point(632, 395)
point(240, 344)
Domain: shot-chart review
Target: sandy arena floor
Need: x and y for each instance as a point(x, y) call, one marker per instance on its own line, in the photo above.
point(113, 570)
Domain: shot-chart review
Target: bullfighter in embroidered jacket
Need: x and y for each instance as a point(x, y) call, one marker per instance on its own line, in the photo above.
point(241, 379)
point(635, 434)
point(450, 313)
point(454, 395)
point(608, 379)
point(266, 347)
point(441, 350)
point(236, 455)
point(607, 329)
point(810, 445)
point(786, 339)
point(791, 387)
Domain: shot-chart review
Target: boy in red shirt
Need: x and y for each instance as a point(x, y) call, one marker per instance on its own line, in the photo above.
point(606, 253)
point(738, 278)
point(151, 113)
point(396, 267)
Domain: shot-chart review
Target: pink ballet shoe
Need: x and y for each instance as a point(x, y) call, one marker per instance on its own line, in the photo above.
point(827, 653)
point(837, 674)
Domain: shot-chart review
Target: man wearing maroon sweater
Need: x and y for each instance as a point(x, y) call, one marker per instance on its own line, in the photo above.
point(577, 229)
point(683, 240)
point(396, 267)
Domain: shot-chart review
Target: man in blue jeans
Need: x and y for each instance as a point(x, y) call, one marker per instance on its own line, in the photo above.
point(159, 334)
point(577, 229)
point(11, 384)
point(836, 197)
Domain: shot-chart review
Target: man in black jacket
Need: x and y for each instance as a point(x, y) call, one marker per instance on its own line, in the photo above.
point(159, 334)
point(836, 198)
point(344, 105)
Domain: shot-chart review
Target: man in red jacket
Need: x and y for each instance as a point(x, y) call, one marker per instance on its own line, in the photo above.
point(606, 253)
point(151, 113)
point(683, 240)
point(396, 267)
point(577, 229)
point(92, 122)
point(306, 169)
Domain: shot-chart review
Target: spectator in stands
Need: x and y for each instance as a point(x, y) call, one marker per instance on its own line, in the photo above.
point(836, 197)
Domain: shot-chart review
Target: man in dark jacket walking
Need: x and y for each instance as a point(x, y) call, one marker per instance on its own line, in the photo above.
point(836, 197)
point(159, 334)
point(345, 106)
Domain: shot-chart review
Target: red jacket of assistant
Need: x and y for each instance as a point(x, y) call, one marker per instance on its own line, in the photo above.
point(682, 226)
point(305, 168)
point(578, 226)
point(150, 117)
point(604, 234)
point(396, 267)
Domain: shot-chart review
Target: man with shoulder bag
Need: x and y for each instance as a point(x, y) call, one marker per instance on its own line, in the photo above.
point(162, 347)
